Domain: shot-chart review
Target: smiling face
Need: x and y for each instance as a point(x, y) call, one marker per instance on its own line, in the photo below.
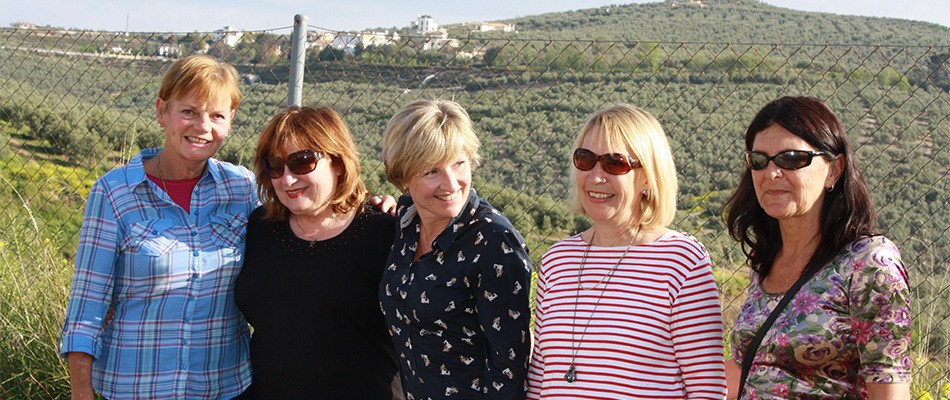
point(440, 192)
point(792, 195)
point(307, 194)
point(609, 199)
point(194, 128)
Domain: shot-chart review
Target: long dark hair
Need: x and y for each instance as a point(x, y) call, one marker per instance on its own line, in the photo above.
point(847, 213)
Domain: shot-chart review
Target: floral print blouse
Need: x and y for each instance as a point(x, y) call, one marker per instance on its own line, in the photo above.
point(459, 315)
point(848, 326)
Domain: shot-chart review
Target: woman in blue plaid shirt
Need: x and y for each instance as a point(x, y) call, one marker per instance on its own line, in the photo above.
point(161, 244)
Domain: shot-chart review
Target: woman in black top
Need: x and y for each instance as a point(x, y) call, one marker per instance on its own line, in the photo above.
point(313, 266)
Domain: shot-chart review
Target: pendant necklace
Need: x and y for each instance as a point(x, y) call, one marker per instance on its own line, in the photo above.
point(571, 375)
point(303, 233)
point(327, 228)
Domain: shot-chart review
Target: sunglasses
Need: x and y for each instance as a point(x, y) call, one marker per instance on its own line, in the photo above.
point(788, 159)
point(299, 162)
point(612, 163)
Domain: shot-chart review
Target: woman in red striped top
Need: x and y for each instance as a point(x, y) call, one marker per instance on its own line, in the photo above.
point(627, 308)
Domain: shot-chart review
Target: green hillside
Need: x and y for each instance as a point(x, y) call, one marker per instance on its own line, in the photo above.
point(727, 21)
point(70, 110)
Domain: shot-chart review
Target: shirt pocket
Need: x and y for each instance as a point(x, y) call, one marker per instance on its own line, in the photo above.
point(148, 253)
point(228, 229)
point(227, 233)
point(148, 238)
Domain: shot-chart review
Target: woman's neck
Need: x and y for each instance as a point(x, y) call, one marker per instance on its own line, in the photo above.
point(429, 230)
point(323, 226)
point(166, 167)
point(798, 247)
point(799, 238)
point(613, 236)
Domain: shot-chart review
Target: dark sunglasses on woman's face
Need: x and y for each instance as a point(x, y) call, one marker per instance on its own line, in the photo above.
point(788, 159)
point(299, 162)
point(613, 163)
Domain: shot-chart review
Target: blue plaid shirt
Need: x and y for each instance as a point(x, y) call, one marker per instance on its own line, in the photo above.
point(177, 332)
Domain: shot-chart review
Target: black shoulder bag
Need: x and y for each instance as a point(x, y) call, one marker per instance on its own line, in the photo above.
point(760, 334)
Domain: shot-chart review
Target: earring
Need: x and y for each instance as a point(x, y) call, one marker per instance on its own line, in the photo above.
point(829, 189)
point(645, 193)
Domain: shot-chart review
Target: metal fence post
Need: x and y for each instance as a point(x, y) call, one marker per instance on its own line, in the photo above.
point(298, 55)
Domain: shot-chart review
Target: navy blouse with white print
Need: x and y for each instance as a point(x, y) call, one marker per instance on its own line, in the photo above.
point(459, 315)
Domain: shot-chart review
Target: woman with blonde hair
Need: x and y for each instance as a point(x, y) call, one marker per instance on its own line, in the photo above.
point(455, 290)
point(627, 308)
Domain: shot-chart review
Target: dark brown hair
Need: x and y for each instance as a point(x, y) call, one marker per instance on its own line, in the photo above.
point(847, 212)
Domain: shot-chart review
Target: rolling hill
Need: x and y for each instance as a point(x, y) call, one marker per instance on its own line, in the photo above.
point(727, 21)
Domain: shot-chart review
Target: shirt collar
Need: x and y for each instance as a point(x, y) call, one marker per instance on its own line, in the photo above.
point(447, 236)
point(136, 169)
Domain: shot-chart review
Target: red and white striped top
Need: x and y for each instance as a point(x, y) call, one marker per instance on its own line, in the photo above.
point(652, 330)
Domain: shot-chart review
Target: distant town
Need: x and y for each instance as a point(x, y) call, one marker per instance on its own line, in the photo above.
point(424, 31)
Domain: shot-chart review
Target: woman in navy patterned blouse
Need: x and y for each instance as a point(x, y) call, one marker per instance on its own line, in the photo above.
point(455, 289)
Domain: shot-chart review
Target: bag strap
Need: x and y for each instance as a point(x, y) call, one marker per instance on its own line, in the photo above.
point(760, 334)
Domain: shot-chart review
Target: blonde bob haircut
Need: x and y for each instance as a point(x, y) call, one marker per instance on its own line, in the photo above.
point(427, 133)
point(626, 127)
point(208, 79)
point(311, 128)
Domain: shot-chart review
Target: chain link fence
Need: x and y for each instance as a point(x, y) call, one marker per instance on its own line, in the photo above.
point(74, 104)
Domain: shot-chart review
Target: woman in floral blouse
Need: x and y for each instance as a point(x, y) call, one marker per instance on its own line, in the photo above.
point(803, 202)
point(455, 289)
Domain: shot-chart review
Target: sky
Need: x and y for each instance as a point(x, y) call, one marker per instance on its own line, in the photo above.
point(345, 15)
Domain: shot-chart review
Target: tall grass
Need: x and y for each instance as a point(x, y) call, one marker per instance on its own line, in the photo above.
point(35, 278)
point(929, 275)
point(40, 212)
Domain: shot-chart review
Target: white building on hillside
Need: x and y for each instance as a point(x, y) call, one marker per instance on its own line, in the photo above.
point(169, 48)
point(348, 41)
point(492, 26)
point(439, 40)
point(425, 24)
point(229, 35)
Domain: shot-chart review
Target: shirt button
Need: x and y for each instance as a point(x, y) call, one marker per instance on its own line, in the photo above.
point(183, 366)
point(195, 253)
point(194, 276)
point(194, 233)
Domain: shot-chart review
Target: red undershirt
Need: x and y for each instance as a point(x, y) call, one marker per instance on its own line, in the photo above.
point(180, 191)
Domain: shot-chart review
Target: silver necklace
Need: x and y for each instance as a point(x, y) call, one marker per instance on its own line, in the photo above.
point(318, 234)
point(161, 173)
point(571, 375)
